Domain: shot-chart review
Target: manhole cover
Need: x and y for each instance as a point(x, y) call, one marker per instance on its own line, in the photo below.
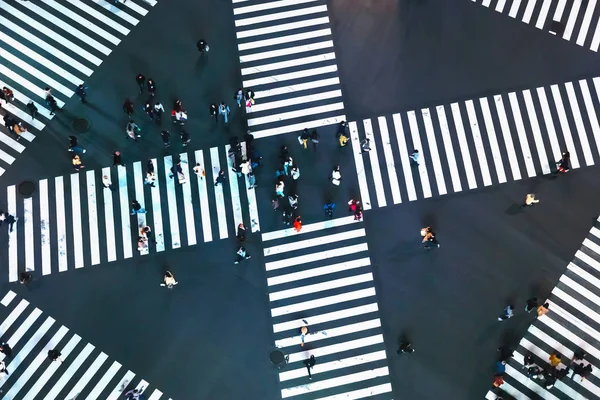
point(26, 188)
point(80, 125)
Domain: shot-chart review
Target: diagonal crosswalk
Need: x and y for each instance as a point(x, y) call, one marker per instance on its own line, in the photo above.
point(573, 20)
point(288, 60)
point(84, 373)
point(476, 143)
point(322, 277)
point(56, 44)
point(572, 325)
point(73, 221)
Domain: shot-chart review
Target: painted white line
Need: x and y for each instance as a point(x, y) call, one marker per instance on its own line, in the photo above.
point(529, 384)
point(564, 124)
point(20, 97)
point(333, 366)
point(288, 64)
point(483, 165)
point(360, 168)
point(23, 18)
point(508, 142)
point(589, 106)
point(422, 168)
point(118, 390)
point(314, 227)
point(8, 297)
point(529, 11)
point(322, 255)
point(492, 139)
point(268, 6)
point(329, 333)
point(499, 6)
point(188, 204)
point(336, 348)
point(441, 113)
point(374, 161)
point(93, 217)
point(541, 21)
point(596, 39)
point(537, 134)
point(433, 151)
point(318, 241)
point(298, 127)
point(219, 200)
point(280, 28)
point(389, 159)
point(13, 251)
point(514, 9)
point(581, 130)
point(116, 11)
point(87, 376)
point(26, 117)
point(518, 119)
point(286, 51)
point(77, 228)
point(13, 316)
point(295, 114)
point(68, 374)
point(61, 227)
point(252, 205)
point(156, 394)
point(35, 89)
point(297, 100)
point(45, 227)
point(572, 19)
point(291, 90)
point(557, 310)
point(125, 212)
point(28, 233)
point(284, 39)
point(328, 317)
point(138, 182)
point(320, 271)
point(203, 196)
point(236, 204)
point(111, 248)
point(406, 165)
point(23, 328)
point(319, 287)
point(549, 123)
point(172, 202)
point(99, 16)
point(281, 15)
point(104, 381)
point(585, 24)
point(322, 302)
point(159, 235)
point(134, 7)
point(361, 393)
point(278, 79)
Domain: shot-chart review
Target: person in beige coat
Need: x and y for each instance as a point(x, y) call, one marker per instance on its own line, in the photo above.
point(530, 200)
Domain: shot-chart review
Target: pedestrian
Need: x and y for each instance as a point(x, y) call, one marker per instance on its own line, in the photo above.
point(342, 128)
point(528, 360)
point(531, 304)
point(73, 146)
point(128, 107)
point(585, 372)
point(288, 217)
point(51, 101)
point(32, 109)
point(151, 87)
point(54, 355)
point(202, 47)
point(498, 380)
point(529, 200)
point(77, 163)
point(19, 129)
point(549, 378)
point(177, 170)
point(239, 97)
point(554, 359)
point(9, 96)
point(429, 237)
point(149, 110)
point(275, 204)
point(303, 138)
point(140, 79)
point(185, 138)
point(562, 373)
point(199, 171)
point(134, 394)
point(507, 313)
point(158, 110)
point(166, 138)
point(107, 182)
point(415, 157)
point(287, 165)
point(336, 176)
point(132, 130)
point(3, 371)
point(251, 180)
point(279, 188)
point(25, 278)
point(6, 349)
point(364, 146)
point(343, 139)
point(562, 166)
point(297, 224)
point(224, 111)
point(578, 356)
point(146, 232)
point(136, 208)
point(142, 243)
point(314, 138)
point(242, 254)
point(150, 176)
point(9, 219)
point(249, 100)
point(506, 353)
point(543, 309)
point(241, 232)
point(295, 173)
point(329, 207)
point(293, 201)
point(178, 105)
point(81, 92)
point(405, 347)
point(213, 111)
point(309, 363)
point(303, 333)
point(169, 280)
point(117, 159)
point(220, 178)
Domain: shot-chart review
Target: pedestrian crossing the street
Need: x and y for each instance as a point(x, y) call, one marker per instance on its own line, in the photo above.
point(288, 60)
point(321, 277)
point(56, 44)
point(571, 326)
point(84, 373)
point(574, 20)
point(476, 143)
point(73, 221)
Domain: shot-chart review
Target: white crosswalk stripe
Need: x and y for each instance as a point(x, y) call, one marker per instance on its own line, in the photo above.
point(321, 277)
point(85, 372)
point(572, 326)
point(56, 45)
point(573, 20)
point(74, 221)
point(287, 60)
point(477, 143)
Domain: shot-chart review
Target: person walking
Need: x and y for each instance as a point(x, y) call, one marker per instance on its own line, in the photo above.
point(249, 97)
point(25, 278)
point(158, 111)
point(74, 147)
point(176, 170)
point(336, 176)
point(563, 165)
point(530, 200)
point(531, 304)
point(287, 165)
point(166, 138)
point(146, 232)
point(239, 97)
point(6, 349)
point(405, 348)
point(251, 180)
point(415, 156)
point(202, 47)
point(54, 355)
point(242, 254)
point(107, 182)
point(429, 238)
point(213, 111)
point(185, 138)
point(32, 109)
point(220, 178)
point(303, 138)
point(117, 159)
point(136, 208)
point(365, 146)
point(169, 280)
point(149, 110)
point(329, 208)
point(224, 111)
point(554, 360)
point(132, 130)
point(81, 92)
point(8, 219)
point(543, 309)
point(199, 171)
point(303, 333)
point(507, 313)
point(342, 138)
point(279, 188)
point(128, 107)
point(528, 360)
point(298, 224)
point(134, 394)
point(293, 201)
point(3, 371)
point(314, 138)
point(295, 173)
point(150, 176)
point(241, 232)
point(151, 87)
point(140, 79)
point(77, 163)
point(309, 363)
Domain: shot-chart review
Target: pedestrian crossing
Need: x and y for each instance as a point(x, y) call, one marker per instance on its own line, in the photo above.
point(476, 143)
point(573, 20)
point(56, 44)
point(571, 325)
point(321, 277)
point(73, 221)
point(84, 373)
point(288, 60)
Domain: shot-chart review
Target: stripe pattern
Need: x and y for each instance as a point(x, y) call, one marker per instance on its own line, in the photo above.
point(288, 60)
point(73, 221)
point(56, 44)
point(477, 143)
point(85, 373)
point(571, 325)
point(573, 20)
point(322, 277)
